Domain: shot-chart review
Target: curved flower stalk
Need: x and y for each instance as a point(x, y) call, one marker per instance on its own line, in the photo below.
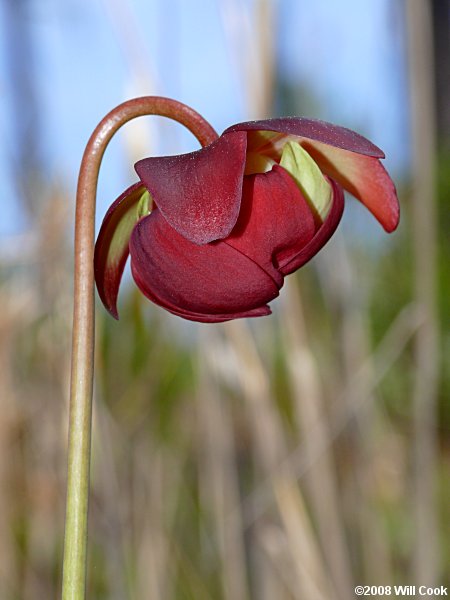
point(80, 417)
point(213, 233)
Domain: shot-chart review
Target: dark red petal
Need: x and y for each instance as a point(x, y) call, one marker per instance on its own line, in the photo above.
point(322, 236)
point(313, 129)
point(363, 176)
point(189, 315)
point(344, 155)
point(275, 221)
point(210, 283)
point(199, 194)
point(111, 248)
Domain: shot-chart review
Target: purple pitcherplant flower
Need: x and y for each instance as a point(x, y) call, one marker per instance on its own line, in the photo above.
point(213, 233)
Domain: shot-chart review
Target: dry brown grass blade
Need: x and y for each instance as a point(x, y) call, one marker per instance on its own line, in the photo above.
point(251, 36)
point(109, 507)
point(140, 137)
point(277, 578)
point(309, 407)
point(158, 490)
point(137, 487)
point(425, 565)
point(10, 317)
point(218, 474)
point(270, 452)
point(347, 302)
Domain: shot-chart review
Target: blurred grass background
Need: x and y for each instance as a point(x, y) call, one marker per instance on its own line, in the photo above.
point(290, 457)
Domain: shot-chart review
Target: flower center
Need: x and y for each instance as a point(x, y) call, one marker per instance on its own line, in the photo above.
point(303, 169)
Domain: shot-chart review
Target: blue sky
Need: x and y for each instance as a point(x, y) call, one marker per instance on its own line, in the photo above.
point(89, 55)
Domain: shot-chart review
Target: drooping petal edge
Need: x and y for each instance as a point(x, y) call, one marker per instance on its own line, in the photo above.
point(199, 194)
point(111, 248)
point(312, 129)
point(364, 177)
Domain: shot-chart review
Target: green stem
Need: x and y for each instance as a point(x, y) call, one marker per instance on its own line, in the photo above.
point(80, 417)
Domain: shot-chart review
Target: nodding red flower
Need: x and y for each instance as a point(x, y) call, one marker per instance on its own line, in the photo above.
point(213, 233)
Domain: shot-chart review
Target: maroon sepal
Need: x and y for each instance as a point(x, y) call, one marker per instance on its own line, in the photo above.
point(111, 248)
point(210, 283)
point(199, 194)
